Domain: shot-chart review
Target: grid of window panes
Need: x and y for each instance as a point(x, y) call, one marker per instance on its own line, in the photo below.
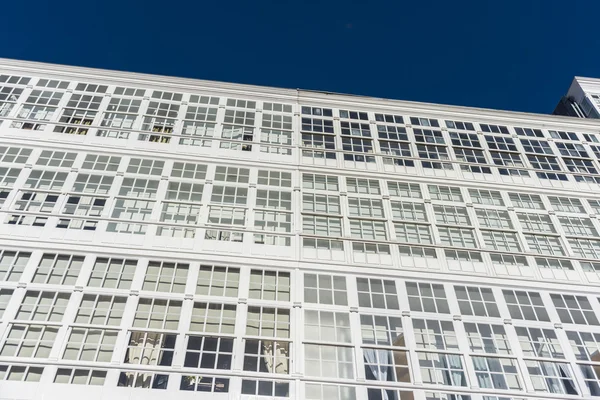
point(336, 235)
point(394, 333)
point(357, 139)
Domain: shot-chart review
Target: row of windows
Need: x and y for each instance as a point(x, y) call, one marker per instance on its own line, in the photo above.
point(494, 361)
point(268, 285)
point(221, 384)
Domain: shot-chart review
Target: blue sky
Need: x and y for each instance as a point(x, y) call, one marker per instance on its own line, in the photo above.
point(511, 54)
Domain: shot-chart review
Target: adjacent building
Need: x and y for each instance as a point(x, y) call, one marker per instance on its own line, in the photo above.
point(184, 239)
point(582, 100)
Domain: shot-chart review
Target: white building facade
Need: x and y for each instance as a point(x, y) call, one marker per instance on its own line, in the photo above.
point(175, 238)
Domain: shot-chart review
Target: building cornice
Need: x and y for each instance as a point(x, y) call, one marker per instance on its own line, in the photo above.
point(306, 96)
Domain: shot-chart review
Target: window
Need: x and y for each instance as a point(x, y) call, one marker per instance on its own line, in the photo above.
point(179, 214)
point(427, 297)
point(325, 289)
point(270, 285)
point(87, 344)
point(56, 159)
point(457, 237)
point(58, 269)
point(265, 388)
point(316, 146)
point(277, 121)
point(498, 219)
point(320, 182)
point(232, 174)
point(525, 305)
point(473, 300)
point(165, 277)
point(189, 170)
point(424, 121)
point(460, 125)
point(317, 125)
point(497, 373)
point(585, 248)
point(266, 356)
point(366, 229)
point(578, 226)
point(318, 203)
point(94, 184)
point(536, 146)
point(8, 176)
point(591, 375)
point(377, 293)
point(203, 383)
point(12, 264)
point(371, 208)
point(549, 245)
point(157, 314)
point(402, 210)
point(315, 391)
point(143, 380)
point(274, 178)
point(328, 361)
point(101, 163)
point(267, 321)
point(403, 189)
point(529, 132)
point(5, 295)
point(566, 204)
point(326, 326)
point(100, 310)
point(537, 342)
point(442, 369)
point(435, 335)
point(82, 206)
point(418, 257)
point(523, 200)
point(500, 240)
point(45, 180)
point(145, 166)
point(585, 345)
point(208, 352)
point(137, 187)
point(130, 210)
point(382, 330)
point(574, 309)
point(363, 186)
point(452, 215)
point(536, 222)
point(114, 273)
point(213, 318)
point(43, 306)
point(17, 155)
point(14, 80)
point(487, 338)
point(20, 373)
point(551, 377)
point(553, 268)
point(386, 365)
point(501, 143)
point(572, 149)
point(321, 225)
point(445, 193)
point(229, 195)
point(218, 281)
point(29, 341)
point(413, 233)
point(392, 132)
point(80, 376)
point(150, 348)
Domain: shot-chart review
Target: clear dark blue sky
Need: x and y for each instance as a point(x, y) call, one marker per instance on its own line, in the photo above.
point(506, 54)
